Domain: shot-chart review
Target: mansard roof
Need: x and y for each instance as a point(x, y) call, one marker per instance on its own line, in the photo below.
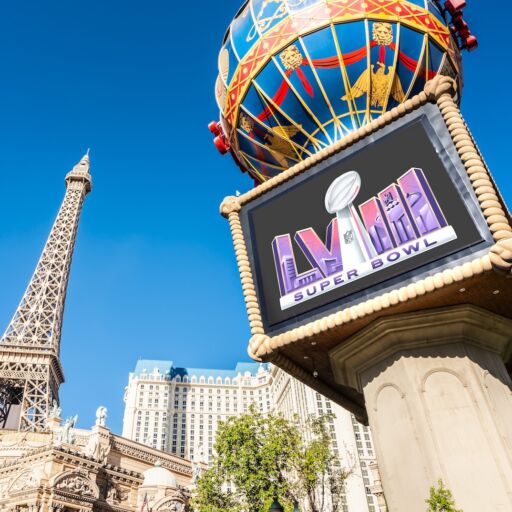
point(148, 366)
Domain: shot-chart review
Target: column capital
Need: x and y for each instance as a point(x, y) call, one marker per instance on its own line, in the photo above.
point(389, 336)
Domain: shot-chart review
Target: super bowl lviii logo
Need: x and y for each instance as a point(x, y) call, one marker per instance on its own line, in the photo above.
point(400, 222)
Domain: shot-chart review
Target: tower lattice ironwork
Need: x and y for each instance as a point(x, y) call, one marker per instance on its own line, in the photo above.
point(30, 368)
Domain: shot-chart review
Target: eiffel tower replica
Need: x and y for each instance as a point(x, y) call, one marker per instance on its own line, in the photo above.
point(30, 368)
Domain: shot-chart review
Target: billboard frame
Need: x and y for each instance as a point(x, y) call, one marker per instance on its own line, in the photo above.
point(435, 290)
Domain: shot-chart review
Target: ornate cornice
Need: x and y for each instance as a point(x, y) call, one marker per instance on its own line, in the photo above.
point(141, 452)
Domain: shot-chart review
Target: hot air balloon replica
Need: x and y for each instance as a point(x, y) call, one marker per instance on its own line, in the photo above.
point(298, 75)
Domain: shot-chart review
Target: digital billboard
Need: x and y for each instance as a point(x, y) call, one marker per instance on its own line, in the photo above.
point(392, 207)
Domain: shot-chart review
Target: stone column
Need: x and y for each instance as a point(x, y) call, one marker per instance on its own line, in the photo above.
point(439, 403)
point(376, 488)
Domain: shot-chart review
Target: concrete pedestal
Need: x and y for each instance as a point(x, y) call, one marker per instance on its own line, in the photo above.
point(439, 403)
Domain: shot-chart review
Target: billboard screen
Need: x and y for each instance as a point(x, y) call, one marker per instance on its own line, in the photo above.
point(390, 208)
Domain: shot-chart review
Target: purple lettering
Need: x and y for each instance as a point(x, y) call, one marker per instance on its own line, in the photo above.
point(338, 280)
point(393, 256)
point(377, 263)
point(286, 268)
point(298, 296)
point(429, 244)
point(326, 257)
point(324, 285)
point(412, 248)
point(351, 274)
point(311, 290)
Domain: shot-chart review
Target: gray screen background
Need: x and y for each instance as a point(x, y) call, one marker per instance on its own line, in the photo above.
point(420, 140)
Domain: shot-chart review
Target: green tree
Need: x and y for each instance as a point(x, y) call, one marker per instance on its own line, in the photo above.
point(210, 496)
point(441, 499)
point(262, 457)
point(318, 477)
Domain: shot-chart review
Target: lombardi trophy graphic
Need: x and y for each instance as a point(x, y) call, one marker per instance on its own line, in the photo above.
point(356, 246)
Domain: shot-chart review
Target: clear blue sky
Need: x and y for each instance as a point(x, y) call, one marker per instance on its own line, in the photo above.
point(154, 273)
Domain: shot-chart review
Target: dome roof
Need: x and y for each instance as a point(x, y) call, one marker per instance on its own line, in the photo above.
point(159, 477)
point(297, 75)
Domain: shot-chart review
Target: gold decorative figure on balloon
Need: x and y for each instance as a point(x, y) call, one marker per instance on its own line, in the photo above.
point(382, 33)
point(378, 80)
point(279, 144)
point(291, 57)
point(246, 123)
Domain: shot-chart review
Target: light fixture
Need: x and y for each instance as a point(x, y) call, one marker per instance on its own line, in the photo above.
point(276, 507)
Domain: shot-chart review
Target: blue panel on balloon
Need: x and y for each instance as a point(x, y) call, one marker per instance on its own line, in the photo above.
point(302, 74)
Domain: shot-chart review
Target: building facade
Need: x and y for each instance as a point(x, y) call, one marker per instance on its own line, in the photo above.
point(178, 410)
point(65, 469)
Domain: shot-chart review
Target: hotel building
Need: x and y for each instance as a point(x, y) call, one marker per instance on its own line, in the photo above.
point(178, 410)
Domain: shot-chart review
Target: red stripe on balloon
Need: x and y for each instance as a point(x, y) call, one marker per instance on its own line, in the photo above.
point(304, 81)
point(412, 64)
